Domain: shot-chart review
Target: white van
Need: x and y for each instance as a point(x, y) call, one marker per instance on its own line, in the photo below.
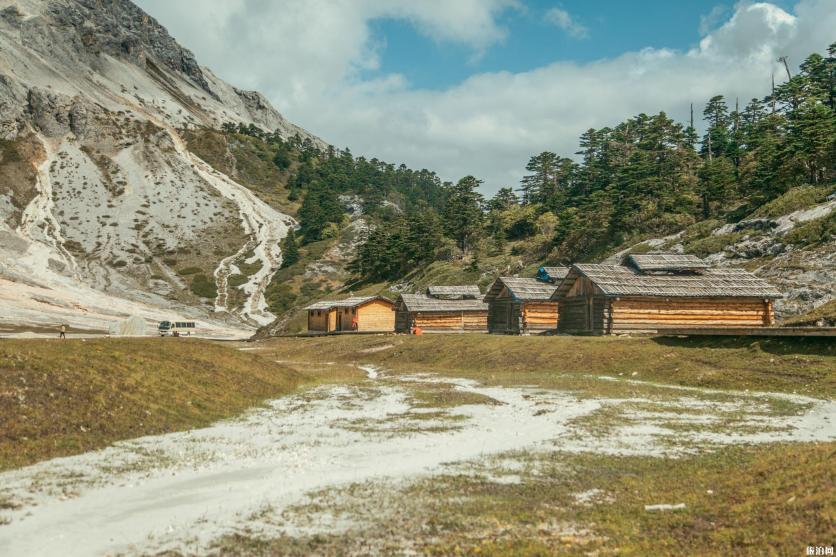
point(177, 328)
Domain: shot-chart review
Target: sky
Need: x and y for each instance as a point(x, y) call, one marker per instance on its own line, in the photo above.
point(479, 86)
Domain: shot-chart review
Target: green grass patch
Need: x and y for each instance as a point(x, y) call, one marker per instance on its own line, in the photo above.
point(825, 313)
point(802, 197)
point(442, 395)
point(60, 398)
point(203, 286)
point(803, 365)
point(813, 232)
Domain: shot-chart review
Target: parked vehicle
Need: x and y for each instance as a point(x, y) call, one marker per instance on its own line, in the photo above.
point(177, 328)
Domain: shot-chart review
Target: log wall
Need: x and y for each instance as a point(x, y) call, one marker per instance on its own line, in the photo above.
point(540, 316)
point(504, 316)
point(631, 314)
point(441, 321)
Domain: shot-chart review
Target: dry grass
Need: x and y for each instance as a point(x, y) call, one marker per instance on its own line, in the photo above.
point(60, 398)
point(805, 366)
point(772, 500)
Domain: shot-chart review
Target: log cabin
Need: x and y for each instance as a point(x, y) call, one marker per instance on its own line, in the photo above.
point(652, 292)
point(370, 313)
point(521, 306)
point(443, 309)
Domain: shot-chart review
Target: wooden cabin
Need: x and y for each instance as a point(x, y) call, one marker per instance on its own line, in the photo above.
point(521, 306)
point(552, 274)
point(322, 317)
point(443, 309)
point(652, 292)
point(370, 313)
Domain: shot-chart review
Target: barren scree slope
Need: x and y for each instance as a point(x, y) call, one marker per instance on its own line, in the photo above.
point(102, 206)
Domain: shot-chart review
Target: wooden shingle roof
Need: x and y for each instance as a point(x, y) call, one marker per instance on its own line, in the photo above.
point(421, 302)
point(619, 280)
point(651, 262)
point(346, 303)
point(521, 289)
point(454, 292)
point(552, 274)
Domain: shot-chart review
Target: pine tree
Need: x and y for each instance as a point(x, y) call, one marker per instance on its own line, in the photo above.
point(505, 198)
point(715, 143)
point(541, 183)
point(290, 249)
point(463, 212)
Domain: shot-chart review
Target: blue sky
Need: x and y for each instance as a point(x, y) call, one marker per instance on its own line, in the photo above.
point(479, 86)
point(612, 27)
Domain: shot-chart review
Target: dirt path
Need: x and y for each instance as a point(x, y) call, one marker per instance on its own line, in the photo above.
point(184, 490)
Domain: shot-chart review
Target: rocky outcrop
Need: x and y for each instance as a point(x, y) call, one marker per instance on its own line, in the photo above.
point(111, 54)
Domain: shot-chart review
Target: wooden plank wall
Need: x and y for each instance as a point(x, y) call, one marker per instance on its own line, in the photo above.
point(573, 316)
point(633, 314)
point(584, 315)
point(402, 320)
point(498, 312)
point(374, 316)
point(318, 322)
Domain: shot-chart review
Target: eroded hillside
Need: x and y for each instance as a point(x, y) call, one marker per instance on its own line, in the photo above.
point(105, 213)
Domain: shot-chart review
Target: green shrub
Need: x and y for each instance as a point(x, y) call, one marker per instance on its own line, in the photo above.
point(644, 247)
point(280, 298)
point(189, 271)
point(204, 287)
point(712, 244)
point(701, 229)
point(234, 281)
point(810, 233)
point(249, 269)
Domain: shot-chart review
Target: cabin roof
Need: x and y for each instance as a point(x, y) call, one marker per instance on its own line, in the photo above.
point(619, 280)
point(669, 262)
point(454, 292)
point(346, 303)
point(552, 274)
point(522, 289)
point(325, 304)
point(422, 302)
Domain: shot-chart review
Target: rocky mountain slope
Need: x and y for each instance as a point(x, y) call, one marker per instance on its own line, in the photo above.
point(105, 213)
point(791, 242)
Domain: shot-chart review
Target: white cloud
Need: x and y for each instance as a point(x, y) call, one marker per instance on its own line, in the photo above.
point(305, 56)
point(564, 20)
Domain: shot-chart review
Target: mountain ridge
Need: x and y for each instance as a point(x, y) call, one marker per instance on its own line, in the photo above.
point(104, 211)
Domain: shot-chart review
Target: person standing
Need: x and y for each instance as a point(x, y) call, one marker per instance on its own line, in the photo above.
point(63, 332)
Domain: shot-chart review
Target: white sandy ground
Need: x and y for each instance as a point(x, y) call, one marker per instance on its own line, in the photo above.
point(183, 490)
